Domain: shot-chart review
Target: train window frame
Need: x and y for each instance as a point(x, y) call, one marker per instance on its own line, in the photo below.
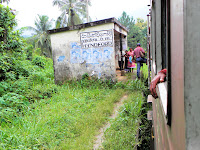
point(169, 107)
point(165, 88)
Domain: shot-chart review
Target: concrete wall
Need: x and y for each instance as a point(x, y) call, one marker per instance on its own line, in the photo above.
point(75, 53)
point(192, 73)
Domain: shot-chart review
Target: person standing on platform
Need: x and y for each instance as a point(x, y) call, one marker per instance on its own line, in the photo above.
point(126, 61)
point(131, 64)
point(139, 54)
point(131, 53)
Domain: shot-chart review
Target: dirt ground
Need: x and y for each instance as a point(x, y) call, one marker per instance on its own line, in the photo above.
point(125, 77)
point(99, 137)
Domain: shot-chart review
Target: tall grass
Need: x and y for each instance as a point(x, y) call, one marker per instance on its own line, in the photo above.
point(144, 71)
point(68, 120)
point(124, 129)
point(37, 114)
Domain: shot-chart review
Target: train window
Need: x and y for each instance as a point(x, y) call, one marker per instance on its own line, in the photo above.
point(165, 54)
point(168, 63)
point(164, 34)
point(160, 51)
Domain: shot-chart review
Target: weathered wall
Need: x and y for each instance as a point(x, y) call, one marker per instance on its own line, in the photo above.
point(191, 73)
point(89, 50)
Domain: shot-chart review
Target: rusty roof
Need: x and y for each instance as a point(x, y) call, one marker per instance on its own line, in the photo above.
point(89, 24)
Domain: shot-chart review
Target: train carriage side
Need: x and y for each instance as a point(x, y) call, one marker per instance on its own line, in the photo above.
point(175, 45)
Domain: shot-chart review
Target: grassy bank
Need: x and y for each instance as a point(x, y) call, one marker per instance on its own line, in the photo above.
point(68, 120)
point(37, 114)
point(71, 118)
point(124, 129)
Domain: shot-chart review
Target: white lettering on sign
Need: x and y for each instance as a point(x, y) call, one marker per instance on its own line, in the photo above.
point(96, 39)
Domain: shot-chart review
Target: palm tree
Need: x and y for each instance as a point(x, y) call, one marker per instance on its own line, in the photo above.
point(87, 2)
point(3, 1)
point(72, 12)
point(42, 24)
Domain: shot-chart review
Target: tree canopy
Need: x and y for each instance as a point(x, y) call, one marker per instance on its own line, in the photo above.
point(72, 12)
point(42, 24)
point(3, 1)
point(137, 30)
point(9, 39)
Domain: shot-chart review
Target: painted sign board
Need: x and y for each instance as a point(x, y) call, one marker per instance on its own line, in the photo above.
point(94, 39)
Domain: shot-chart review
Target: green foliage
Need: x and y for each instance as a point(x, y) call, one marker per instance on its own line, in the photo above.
point(39, 61)
point(17, 71)
point(90, 83)
point(41, 38)
point(29, 52)
point(3, 1)
point(69, 120)
point(37, 114)
point(32, 83)
point(10, 105)
point(131, 85)
point(127, 21)
point(11, 47)
point(9, 39)
point(11, 68)
point(76, 11)
point(137, 31)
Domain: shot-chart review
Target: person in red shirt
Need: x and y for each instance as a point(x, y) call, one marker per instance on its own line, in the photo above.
point(160, 77)
point(138, 51)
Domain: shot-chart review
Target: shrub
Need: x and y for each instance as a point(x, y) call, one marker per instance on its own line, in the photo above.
point(38, 92)
point(10, 105)
point(29, 52)
point(10, 40)
point(6, 65)
point(39, 61)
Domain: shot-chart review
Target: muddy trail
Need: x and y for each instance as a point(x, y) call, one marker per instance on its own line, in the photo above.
point(100, 136)
point(124, 77)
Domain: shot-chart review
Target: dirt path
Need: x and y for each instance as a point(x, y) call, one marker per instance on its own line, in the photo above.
point(99, 137)
point(124, 78)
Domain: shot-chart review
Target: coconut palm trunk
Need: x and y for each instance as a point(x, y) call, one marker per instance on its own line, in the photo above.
point(73, 11)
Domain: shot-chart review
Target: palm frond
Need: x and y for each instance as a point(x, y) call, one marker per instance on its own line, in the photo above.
point(62, 20)
point(60, 3)
point(70, 18)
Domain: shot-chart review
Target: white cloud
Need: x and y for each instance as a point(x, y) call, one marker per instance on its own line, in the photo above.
point(101, 9)
point(27, 10)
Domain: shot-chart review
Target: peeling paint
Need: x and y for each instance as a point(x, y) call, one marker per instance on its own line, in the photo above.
point(96, 60)
point(61, 58)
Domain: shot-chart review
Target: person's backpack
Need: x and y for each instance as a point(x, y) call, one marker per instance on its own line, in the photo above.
point(141, 54)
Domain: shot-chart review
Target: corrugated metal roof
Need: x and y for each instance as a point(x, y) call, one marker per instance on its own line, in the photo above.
point(89, 24)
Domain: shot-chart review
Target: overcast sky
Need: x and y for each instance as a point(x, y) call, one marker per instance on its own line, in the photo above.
point(27, 10)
